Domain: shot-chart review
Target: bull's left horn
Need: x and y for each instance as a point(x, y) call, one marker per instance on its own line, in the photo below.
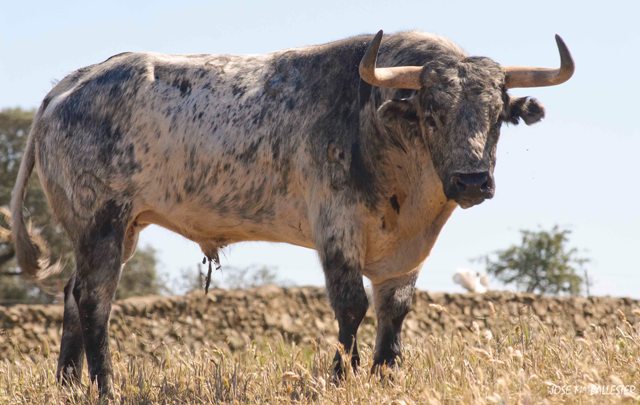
point(402, 77)
point(521, 76)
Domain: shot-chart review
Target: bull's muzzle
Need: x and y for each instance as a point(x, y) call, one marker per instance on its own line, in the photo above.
point(469, 189)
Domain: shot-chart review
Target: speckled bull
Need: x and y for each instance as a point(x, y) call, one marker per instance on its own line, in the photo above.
point(317, 147)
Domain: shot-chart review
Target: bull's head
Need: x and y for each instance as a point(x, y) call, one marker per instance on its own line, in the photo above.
point(459, 107)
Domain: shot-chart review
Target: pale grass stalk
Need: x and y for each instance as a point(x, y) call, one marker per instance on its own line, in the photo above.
point(521, 363)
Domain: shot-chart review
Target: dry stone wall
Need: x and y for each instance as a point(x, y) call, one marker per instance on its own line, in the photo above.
point(234, 318)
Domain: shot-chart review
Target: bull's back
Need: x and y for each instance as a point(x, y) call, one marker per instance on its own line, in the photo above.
point(186, 138)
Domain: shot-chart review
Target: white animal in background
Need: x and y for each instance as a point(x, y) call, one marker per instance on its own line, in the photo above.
point(472, 281)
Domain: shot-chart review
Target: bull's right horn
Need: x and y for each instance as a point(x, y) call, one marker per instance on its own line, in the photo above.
point(402, 77)
point(518, 76)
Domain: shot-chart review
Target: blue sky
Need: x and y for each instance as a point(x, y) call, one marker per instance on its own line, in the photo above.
point(578, 168)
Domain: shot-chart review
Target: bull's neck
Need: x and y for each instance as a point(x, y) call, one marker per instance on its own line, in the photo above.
point(401, 165)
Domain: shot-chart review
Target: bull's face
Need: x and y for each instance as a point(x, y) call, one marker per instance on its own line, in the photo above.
point(458, 108)
point(459, 111)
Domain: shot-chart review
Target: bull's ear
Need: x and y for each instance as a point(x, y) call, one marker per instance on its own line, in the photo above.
point(400, 114)
point(529, 109)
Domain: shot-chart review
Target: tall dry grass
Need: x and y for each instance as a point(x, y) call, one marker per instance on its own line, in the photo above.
point(513, 364)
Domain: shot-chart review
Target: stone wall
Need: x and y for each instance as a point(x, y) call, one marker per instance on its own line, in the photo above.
point(233, 318)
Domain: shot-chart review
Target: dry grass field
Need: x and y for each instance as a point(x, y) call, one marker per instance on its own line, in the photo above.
point(517, 362)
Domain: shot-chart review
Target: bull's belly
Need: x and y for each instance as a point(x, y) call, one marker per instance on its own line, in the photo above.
point(212, 228)
point(206, 193)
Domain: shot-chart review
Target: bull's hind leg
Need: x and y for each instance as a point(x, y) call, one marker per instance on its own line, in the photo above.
point(72, 345)
point(341, 262)
point(392, 300)
point(99, 257)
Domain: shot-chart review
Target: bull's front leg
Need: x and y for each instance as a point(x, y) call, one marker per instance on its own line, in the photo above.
point(340, 255)
point(392, 300)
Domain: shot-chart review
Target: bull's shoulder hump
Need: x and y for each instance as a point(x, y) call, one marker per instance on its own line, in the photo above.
point(422, 42)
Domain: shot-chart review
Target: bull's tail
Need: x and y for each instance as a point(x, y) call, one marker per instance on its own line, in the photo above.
point(32, 252)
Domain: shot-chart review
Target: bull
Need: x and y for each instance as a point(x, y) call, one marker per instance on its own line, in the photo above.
point(316, 147)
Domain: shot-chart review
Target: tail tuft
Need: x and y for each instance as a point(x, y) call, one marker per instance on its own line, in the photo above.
point(32, 253)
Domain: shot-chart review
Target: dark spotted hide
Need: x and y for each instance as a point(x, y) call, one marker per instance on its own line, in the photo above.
point(289, 147)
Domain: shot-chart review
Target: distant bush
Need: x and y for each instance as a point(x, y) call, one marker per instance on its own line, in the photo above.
point(541, 263)
point(231, 277)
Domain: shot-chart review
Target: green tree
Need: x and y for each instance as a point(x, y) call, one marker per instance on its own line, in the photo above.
point(542, 263)
point(139, 277)
point(14, 130)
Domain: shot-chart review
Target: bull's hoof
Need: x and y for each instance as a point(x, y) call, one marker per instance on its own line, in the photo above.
point(383, 368)
point(340, 368)
point(106, 394)
point(338, 374)
point(106, 398)
point(105, 388)
point(69, 375)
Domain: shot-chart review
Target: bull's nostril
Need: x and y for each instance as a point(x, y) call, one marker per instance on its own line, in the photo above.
point(469, 189)
point(480, 182)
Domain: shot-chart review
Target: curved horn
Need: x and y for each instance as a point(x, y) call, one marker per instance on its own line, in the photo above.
point(522, 76)
point(403, 77)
